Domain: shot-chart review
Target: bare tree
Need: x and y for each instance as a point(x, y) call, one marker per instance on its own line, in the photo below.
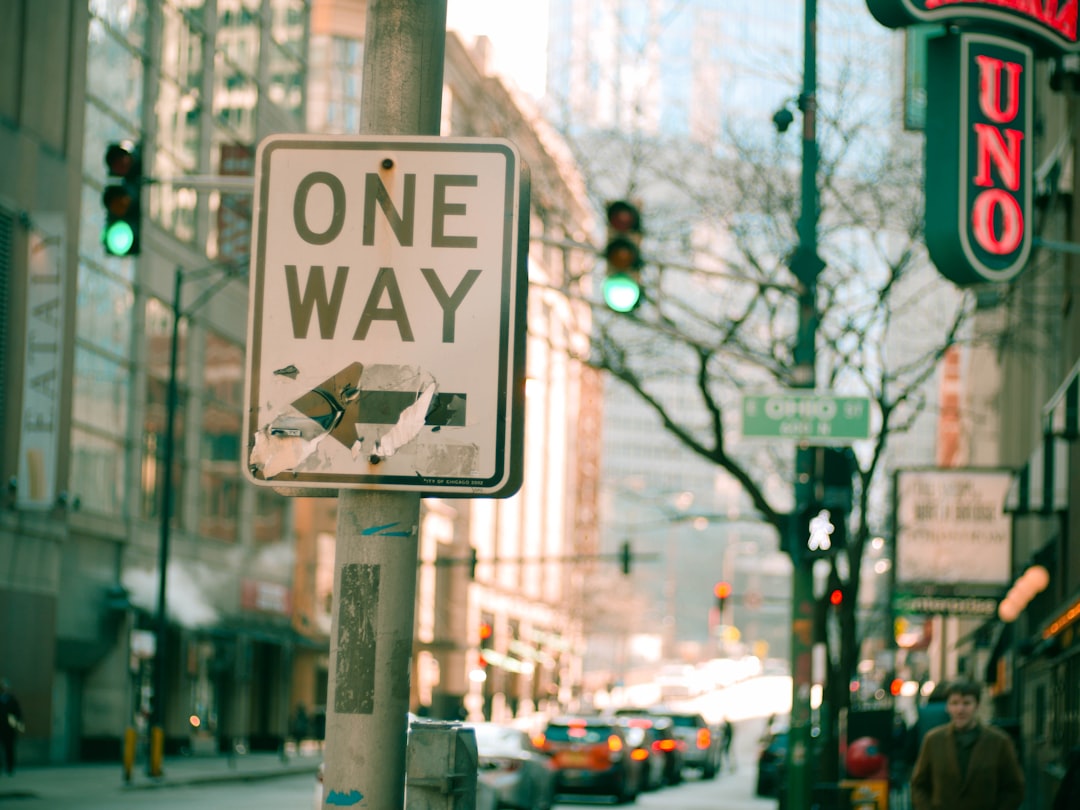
point(720, 310)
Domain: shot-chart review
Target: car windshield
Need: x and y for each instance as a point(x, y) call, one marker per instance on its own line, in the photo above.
point(578, 734)
point(684, 721)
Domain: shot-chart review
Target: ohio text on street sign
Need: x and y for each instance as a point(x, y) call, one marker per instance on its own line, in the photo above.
point(823, 418)
point(386, 329)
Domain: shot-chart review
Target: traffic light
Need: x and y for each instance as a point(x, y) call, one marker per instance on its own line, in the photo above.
point(836, 597)
point(622, 254)
point(826, 496)
point(486, 632)
point(625, 558)
point(122, 200)
point(722, 590)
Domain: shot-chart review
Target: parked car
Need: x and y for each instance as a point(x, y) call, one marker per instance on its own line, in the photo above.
point(771, 761)
point(664, 757)
point(591, 756)
point(703, 747)
point(517, 773)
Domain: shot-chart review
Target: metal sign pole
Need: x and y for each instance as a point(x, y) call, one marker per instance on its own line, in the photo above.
point(807, 265)
point(378, 532)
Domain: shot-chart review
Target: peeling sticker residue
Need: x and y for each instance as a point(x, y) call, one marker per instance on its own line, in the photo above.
point(357, 639)
point(339, 799)
point(407, 428)
point(285, 444)
point(375, 412)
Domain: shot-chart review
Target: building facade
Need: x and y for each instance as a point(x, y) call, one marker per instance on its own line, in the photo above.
point(104, 357)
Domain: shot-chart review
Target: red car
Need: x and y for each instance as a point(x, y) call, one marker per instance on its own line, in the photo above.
point(591, 756)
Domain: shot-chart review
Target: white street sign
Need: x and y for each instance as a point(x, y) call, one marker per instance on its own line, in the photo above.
point(386, 330)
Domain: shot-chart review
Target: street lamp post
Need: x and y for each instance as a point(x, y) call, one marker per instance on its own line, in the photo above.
point(157, 730)
point(806, 265)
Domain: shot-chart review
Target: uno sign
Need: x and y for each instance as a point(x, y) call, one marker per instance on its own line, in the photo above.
point(1047, 22)
point(386, 325)
point(979, 126)
point(978, 158)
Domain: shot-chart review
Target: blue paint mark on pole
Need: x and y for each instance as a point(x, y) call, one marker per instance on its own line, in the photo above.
point(381, 531)
point(344, 799)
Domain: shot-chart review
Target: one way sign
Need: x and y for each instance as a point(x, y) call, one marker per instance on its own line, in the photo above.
point(386, 330)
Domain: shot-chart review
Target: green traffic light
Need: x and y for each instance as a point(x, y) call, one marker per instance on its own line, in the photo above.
point(621, 293)
point(118, 238)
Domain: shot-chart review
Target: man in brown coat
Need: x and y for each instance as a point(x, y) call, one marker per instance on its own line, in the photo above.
point(965, 765)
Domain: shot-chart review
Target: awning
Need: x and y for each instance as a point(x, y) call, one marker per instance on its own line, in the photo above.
point(1041, 486)
point(1061, 415)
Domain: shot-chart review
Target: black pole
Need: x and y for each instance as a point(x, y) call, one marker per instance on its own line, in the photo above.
point(157, 740)
point(806, 265)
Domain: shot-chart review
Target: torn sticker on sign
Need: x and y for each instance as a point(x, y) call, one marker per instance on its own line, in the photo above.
point(407, 427)
point(285, 444)
point(376, 412)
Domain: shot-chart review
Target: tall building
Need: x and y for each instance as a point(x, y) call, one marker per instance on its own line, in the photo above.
point(672, 78)
point(92, 346)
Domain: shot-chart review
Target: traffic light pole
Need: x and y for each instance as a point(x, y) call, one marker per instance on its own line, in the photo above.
point(806, 265)
point(378, 532)
point(155, 761)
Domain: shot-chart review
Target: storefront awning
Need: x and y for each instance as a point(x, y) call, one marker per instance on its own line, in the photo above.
point(1041, 486)
point(1061, 416)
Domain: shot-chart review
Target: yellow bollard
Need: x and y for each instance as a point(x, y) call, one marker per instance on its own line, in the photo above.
point(157, 750)
point(129, 752)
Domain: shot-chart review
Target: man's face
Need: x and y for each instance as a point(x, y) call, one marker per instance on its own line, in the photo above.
point(961, 709)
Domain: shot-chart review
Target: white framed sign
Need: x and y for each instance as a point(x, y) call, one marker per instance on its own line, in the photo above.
point(386, 332)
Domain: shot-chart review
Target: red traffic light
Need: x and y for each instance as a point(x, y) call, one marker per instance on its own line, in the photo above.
point(722, 590)
point(836, 597)
point(485, 631)
point(623, 218)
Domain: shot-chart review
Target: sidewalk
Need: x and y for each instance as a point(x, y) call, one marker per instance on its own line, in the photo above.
point(104, 779)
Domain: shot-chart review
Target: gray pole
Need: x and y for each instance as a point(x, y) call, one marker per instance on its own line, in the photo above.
point(378, 532)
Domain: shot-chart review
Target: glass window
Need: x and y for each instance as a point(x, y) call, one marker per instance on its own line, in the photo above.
point(97, 472)
point(230, 224)
point(269, 520)
point(114, 67)
point(219, 477)
point(104, 311)
point(101, 391)
point(159, 344)
point(179, 104)
point(235, 96)
point(285, 87)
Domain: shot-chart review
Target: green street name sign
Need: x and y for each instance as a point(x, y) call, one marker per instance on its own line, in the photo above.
point(821, 418)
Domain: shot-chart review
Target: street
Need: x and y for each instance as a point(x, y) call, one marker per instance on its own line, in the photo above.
point(250, 783)
point(730, 790)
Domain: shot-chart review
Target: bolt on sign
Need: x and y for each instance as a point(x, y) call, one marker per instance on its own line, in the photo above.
point(979, 126)
point(386, 331)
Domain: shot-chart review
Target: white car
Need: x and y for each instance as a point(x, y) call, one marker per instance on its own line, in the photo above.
point(679, 681)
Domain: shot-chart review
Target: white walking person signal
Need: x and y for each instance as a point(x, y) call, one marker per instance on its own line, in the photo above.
point(821, 529)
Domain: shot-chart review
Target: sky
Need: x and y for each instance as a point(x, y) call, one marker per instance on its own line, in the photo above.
point(518, 33)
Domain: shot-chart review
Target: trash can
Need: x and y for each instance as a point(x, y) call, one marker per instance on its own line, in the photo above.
point(830, 796)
